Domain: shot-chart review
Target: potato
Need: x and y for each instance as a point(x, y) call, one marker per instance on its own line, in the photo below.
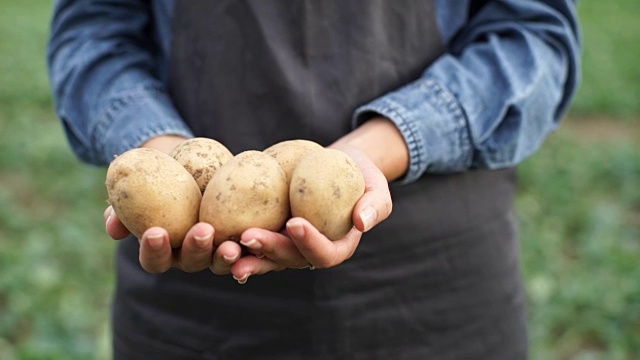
point(324, 189)
point(202, 157)
point(288, 153)
point(249, 190)
point(150, 188)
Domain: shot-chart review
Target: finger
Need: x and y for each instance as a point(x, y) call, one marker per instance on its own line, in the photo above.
point(256, 253)
point(114, 227)
point(251, 265)
point(224, 257)
point(375, 205)
point(196, 252)
point(274, 246)
point(155, 251)
point(317, 249)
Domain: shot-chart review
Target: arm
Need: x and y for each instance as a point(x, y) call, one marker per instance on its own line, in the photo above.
point(489, 102)
point(503, 85)
point(104, 73)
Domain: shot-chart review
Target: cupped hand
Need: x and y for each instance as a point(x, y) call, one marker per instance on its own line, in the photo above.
point(301, 245)
point(196, 253)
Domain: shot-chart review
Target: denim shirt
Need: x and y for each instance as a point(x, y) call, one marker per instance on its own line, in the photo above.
point(502, 86)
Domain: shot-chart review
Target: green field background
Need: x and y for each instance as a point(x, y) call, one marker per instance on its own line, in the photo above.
point(578, 204)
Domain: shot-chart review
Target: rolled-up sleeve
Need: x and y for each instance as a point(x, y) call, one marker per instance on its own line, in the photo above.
point(503, 85)
point(104, 75)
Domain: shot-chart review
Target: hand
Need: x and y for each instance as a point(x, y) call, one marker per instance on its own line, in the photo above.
point(302, 245)
point(197, 252)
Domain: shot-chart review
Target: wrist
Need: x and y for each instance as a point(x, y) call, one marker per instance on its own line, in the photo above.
point(164, 143)
point(382, 142)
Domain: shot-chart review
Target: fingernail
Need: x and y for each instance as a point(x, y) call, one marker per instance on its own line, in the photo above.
point(107, 212)
point(106, 224)
point(295, 228)
point(109, 217)
point(253, 244)
point(203, 241)
point(231, 259)
point(368, 216)
point(243, 279)
point(155, 240)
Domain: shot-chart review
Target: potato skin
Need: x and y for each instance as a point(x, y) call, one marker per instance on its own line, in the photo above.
point(202, 157)
point(248, 191)
point(149, 188)
point(324, 189)
point(288, 153)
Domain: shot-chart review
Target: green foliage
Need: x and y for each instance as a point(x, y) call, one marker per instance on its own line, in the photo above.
point(611, 76)
point(56, 263)
point(23, 34)
point(57, 268)
point(579, 205)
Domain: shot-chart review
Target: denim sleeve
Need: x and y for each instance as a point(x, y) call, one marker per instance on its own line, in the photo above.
point(104, 75)
point(503, 84)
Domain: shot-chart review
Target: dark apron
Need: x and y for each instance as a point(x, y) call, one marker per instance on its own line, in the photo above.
point(438, 280)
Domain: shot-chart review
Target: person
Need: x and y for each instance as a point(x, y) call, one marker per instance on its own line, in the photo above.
point(436, 101)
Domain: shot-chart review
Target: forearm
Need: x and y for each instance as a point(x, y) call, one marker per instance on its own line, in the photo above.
point(490, 101)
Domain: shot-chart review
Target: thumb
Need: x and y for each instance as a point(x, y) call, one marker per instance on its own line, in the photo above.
point(375, 205)
point(113, 225)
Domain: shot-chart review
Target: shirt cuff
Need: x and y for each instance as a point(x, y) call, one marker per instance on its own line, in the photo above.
point(432, 123)
point(134, 118)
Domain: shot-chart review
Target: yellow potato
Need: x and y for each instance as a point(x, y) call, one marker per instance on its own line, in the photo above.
point(324, 189)
point(149, 188)
point(288, 153)
point(202, 157)
point(248, 191)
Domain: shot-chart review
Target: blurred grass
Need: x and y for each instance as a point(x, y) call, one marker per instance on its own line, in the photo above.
point(56, 267)
point(611, 76)
point(579, 205)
